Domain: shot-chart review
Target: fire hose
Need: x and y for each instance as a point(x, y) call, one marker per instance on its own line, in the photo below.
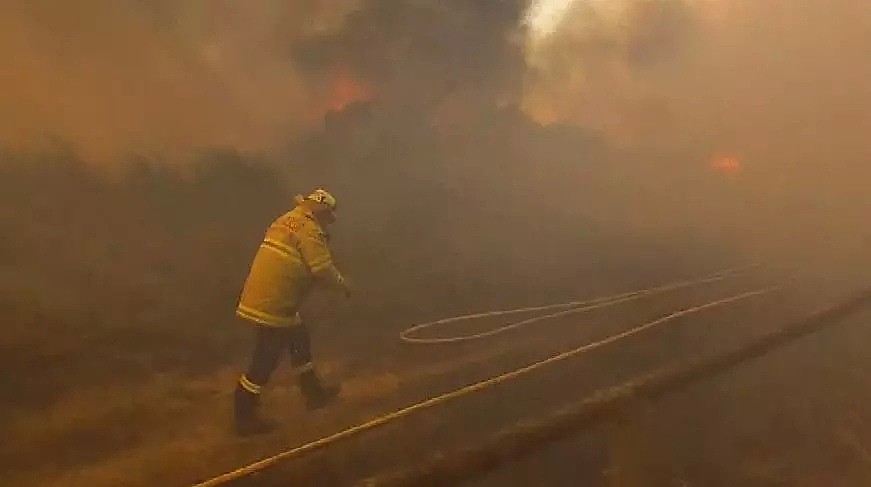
point(518, 440)
point(573, 307)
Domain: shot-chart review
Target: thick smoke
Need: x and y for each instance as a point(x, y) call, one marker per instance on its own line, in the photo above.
point(642, 95)
point(164, 77)
point(419, 53)
point(476, 167)
point(780, 85)
point(111, 77)
point(433, 145)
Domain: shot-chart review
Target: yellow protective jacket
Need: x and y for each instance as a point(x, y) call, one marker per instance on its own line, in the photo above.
point(293, 254)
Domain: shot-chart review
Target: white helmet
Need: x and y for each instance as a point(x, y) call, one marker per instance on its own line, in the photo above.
point(323, 197)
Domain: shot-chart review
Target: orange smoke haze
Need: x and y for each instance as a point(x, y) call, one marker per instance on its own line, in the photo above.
point(772, 78)
point(783, 83)
point(111, 77)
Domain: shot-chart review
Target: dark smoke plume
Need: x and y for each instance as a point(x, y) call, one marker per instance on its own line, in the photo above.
point(418, 53)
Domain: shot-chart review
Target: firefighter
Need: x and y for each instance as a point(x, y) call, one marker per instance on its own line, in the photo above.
point(292, 258)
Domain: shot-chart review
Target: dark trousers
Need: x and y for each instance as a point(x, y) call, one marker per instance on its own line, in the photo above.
point(270, 344)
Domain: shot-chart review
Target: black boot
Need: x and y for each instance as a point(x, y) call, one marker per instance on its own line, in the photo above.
point(316, 394)
point(247, 414)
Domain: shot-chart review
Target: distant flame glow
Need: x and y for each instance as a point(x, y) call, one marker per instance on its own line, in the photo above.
point(345, 89)
point(727, 165)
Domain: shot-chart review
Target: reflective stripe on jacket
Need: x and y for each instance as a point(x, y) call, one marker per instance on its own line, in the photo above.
point(293, 253)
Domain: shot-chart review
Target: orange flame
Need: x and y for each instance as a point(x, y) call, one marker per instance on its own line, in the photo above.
point(345, 89)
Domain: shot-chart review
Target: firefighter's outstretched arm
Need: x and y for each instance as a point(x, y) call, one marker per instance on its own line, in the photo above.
point(319, 258)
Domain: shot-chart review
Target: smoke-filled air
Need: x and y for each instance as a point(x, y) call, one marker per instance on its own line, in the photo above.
point(483, 155)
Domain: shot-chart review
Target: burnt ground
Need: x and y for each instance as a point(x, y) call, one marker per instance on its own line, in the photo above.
point(757, 423)
point(797, 417)
point(469, 419)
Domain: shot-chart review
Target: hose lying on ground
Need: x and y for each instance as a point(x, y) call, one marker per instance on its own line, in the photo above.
point(572, 307)
point(520, 439)
point(443, 398)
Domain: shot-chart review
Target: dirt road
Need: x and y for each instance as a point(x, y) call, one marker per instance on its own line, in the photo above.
point(176, 431)
point(415, 373)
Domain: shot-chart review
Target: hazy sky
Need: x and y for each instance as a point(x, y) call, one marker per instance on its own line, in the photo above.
point(118, 75)
point(746, 77)
point(686, 88)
